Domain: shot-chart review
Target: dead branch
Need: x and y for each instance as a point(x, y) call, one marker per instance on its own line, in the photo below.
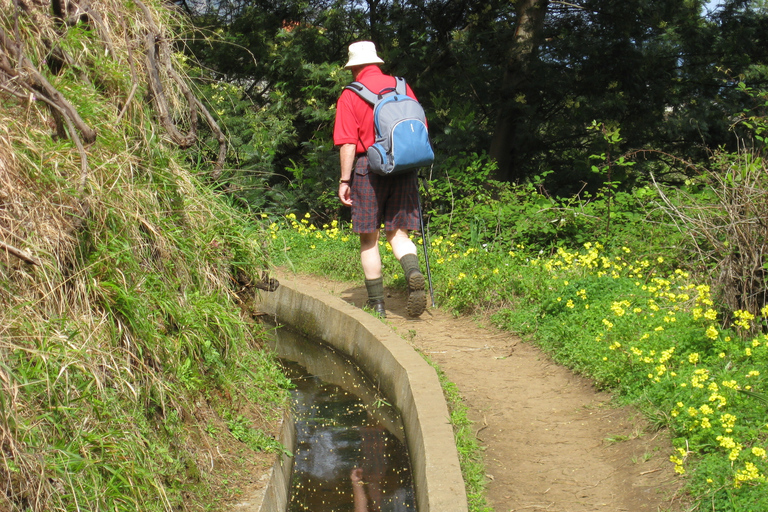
point(730, 234)
point(72, 131)
point(158, 54)
point(36, 82)
point(19, 253)
point(134, 78)
point(219, 164)
point(83, 10)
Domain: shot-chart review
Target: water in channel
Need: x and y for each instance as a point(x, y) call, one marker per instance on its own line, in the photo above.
point(350, 453)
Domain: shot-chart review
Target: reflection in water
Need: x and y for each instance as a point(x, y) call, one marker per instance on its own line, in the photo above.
point(345, 459)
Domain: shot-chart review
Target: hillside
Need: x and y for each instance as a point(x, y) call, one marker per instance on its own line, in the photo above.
point(130, 371)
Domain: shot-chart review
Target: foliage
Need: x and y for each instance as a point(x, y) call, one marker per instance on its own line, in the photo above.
point(479, 212)
point(665, 71)
point(330, 250)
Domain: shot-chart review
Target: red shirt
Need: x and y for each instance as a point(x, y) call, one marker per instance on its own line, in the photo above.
point(354, 117)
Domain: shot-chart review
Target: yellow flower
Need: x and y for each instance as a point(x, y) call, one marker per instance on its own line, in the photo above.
point(726, 442)
point(693, 358)
point(750, 472)
point(678, 462)
point(728, 420)
point(711, 332)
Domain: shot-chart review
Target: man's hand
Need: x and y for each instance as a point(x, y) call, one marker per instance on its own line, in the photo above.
point(347, 158)
point(345, 194)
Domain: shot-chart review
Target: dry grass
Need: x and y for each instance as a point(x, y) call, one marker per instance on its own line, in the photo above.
point(730, 231)
point(118, 313)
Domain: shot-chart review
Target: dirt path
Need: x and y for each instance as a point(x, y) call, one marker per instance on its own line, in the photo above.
point(552, 443)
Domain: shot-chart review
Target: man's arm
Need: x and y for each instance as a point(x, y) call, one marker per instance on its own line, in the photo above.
point(347, 158)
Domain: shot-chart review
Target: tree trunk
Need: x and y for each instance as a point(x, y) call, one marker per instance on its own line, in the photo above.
point(507, 138)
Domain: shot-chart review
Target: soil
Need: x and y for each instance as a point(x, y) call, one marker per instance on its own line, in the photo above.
point(551, 441)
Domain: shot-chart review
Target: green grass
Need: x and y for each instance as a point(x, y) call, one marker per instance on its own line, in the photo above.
point(470, 452)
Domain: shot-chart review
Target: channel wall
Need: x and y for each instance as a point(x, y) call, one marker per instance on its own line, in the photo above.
point(403, 376)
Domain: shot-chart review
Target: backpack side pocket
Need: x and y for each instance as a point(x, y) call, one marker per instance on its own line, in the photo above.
point(378, 160)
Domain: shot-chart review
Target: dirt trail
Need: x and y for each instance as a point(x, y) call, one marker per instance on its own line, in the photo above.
point(552, 443)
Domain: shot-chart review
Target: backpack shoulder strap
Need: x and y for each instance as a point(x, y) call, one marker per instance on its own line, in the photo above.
point(400, 87)
point(364, 92)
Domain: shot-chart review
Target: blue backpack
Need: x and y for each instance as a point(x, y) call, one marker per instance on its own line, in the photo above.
point(402, 141)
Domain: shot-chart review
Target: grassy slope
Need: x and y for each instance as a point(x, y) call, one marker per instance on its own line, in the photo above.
point(130, 371)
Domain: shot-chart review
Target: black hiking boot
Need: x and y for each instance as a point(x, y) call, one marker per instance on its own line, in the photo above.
point(417, 297)
point(376, 307)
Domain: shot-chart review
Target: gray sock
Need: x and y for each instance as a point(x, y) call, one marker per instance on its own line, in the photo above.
point(409, 262)
point(375, 289)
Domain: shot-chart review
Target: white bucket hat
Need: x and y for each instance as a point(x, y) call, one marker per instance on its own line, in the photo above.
point(362, 52)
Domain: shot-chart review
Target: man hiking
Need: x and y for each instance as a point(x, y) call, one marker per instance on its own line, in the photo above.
point(375, 198)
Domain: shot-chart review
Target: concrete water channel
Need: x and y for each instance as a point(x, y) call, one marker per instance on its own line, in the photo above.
point(350, 452)
point(396, 371)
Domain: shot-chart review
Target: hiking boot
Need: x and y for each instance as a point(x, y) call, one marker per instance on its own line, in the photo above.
point(417, 298)
point(376, 307)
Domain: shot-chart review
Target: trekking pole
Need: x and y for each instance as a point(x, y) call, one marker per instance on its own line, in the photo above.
point(424, 243)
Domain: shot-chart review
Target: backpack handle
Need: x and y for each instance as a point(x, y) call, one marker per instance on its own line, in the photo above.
point(386, 91)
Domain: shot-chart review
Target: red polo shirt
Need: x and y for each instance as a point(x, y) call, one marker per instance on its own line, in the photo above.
point(354, 117)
